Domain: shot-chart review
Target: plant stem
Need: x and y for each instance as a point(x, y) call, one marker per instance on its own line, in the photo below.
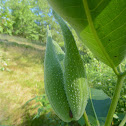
point(115, 99)
point(119, 68)
point(86, 119)
point(123, 121)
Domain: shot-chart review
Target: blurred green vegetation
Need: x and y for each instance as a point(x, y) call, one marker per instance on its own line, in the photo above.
point(28, 19)
point(101, 76)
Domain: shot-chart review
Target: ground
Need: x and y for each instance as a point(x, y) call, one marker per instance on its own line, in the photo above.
point(21, 78)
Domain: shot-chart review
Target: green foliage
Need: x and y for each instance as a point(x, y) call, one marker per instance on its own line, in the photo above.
point(44, 109)
point(100, 24)
point(27, 18)
point(6, 22)
point(43, 105)
point(101, 76)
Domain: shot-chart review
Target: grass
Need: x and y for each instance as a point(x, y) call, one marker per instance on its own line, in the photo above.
point(21, 78)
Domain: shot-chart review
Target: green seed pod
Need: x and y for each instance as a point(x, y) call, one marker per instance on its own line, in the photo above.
point(75, 81)
point(65, 81)
point(53, 79)
point(59, 53)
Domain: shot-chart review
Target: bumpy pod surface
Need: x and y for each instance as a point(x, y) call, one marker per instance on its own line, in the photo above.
point(53, 79)
point(65, 79)
point(75, 81)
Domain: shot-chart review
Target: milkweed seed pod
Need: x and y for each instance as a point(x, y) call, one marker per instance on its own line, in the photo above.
point(75, 81)
point(54, 83)
point(65, 79)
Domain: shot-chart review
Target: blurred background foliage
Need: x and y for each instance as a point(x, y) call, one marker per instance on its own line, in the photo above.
point(28, 19)
point(22, 46)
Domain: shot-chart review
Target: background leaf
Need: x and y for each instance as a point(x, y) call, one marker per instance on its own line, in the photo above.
point(97, 107)
point(108, 21)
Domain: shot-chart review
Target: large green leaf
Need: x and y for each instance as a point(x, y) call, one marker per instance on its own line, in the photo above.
point(97, 107)
point(101, 24)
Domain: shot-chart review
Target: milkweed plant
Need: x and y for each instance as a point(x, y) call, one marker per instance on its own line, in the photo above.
point(101, 27)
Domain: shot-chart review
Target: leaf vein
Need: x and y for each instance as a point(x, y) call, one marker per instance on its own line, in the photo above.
point(114, 30)
point(97, 6)
point(117, 48)
point(113, 19)
point(115, 40)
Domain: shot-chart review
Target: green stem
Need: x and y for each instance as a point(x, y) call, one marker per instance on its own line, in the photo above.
point(119, 68)
point(114, 100)
point(123, 121)
point(86, 119)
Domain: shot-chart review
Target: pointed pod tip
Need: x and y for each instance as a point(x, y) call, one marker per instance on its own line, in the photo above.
point(48, 31)
point(47, 27)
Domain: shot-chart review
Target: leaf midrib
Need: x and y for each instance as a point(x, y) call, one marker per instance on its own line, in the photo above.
point(89, 18)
